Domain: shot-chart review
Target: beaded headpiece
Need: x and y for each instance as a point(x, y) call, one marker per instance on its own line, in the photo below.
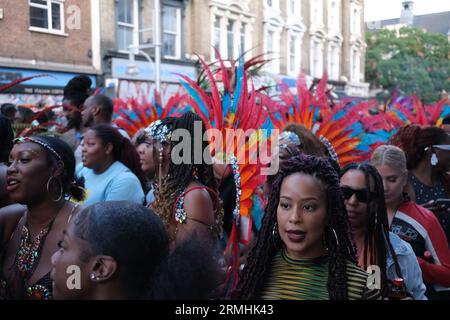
point(292, 137)
point(330, 148)
point(159, 131)
point(41, 143)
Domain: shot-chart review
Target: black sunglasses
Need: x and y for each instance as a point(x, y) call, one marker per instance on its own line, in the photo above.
point(362, 195)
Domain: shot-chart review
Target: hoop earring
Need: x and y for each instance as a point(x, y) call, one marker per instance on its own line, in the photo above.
point(335, 238)
point(276, 239)
point(61, 192)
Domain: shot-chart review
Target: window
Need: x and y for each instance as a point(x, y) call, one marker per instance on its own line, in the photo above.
point(272, 47)
point(316, 59)
point(333, 62)
point(171, 28)
point(334, 14)
point(316, 11)
point(47, 15)
point(294, 54)
point(242, 36)
point(356, 66)
point(356, 25)
point(293, 8)
point(274, 4)
point(216, 35)
point(125, 24)
point(230, 39)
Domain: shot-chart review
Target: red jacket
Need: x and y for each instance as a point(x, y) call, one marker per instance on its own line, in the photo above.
point(420, 227)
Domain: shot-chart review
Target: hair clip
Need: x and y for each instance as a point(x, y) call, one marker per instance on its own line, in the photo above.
point(330, 148)
point(292, 137)
point(159, 131)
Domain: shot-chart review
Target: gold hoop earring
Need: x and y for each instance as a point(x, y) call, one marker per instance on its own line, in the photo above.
point(61, 192)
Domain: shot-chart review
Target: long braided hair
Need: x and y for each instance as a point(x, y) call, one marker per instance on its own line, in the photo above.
point(257, 268)
point(181, 175)
point(376, 241)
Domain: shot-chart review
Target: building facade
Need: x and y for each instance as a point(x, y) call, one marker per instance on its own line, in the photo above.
point(438, 22)
point(51, 37)
point(312, 36)
point(131, 22)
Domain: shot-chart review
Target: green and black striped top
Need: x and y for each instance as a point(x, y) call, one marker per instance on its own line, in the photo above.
point(307, 280)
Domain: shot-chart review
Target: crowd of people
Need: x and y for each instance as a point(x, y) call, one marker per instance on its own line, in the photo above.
point(139, 225)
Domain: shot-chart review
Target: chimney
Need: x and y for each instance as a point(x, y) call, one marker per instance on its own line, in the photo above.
point(407, 15)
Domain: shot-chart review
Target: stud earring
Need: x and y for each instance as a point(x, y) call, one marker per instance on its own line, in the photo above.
point(434, 159)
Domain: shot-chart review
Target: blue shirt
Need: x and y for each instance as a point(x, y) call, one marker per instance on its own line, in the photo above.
point(115, 184)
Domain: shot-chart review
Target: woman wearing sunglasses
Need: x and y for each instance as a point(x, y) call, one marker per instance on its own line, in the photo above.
point(363, 192)
point(413, 223)
point(427, 152)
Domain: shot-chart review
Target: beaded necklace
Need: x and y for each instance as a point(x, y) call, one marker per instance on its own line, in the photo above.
point(29, 252)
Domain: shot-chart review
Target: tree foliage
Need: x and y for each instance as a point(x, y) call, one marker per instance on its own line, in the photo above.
point(416, 61)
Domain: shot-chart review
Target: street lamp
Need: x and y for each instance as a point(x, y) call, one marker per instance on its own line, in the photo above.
point(135, 48)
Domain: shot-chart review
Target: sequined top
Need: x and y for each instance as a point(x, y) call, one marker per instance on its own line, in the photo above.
point(181, 217)
point(426, 193)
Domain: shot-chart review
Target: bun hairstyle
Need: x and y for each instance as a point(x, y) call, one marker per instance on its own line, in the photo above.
point(77, 90)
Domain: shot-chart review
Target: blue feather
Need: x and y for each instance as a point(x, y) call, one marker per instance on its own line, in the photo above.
point(195, 95)
point(238, 88)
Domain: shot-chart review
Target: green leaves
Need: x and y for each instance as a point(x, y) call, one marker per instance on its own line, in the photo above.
point(415, 60)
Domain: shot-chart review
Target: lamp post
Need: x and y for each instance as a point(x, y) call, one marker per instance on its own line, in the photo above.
point(135, 48)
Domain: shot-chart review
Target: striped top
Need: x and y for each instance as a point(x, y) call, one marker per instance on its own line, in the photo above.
point(307, 280)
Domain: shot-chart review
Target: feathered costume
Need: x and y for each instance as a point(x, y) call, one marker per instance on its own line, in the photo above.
point(232, 112)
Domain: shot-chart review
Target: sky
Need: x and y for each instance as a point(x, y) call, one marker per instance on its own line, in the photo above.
point(388, 9)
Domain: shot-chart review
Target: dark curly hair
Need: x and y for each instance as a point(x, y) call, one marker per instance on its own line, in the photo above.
point(257, 268)
point(376, 242)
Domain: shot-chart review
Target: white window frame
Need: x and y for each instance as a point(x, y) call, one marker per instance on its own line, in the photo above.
point(317, 46)
point(127, 25)
point(48, 7)
point(177, 35)
point(334, 56)
point(294, 66)
point(274, 65)
point(275, 5)
point(355, 20)
point(356, 66)
point(334, 14)
point(216, 18)
point(297, 9)
point(316, 16)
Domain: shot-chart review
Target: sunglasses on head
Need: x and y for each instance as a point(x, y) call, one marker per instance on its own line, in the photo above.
point(362, 195)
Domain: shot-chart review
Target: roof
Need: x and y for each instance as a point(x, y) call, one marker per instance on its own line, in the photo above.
point(438, 22)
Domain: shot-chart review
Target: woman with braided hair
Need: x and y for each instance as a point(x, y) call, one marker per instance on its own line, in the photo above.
point(186, 197)
point(427, 151)
point(363, 192)
point(304, 249)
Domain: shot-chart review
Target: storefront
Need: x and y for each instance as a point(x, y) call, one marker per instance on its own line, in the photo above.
point(48, 88)
point(141, 84)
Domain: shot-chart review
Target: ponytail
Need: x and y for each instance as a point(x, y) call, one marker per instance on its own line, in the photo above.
point(123, 150)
